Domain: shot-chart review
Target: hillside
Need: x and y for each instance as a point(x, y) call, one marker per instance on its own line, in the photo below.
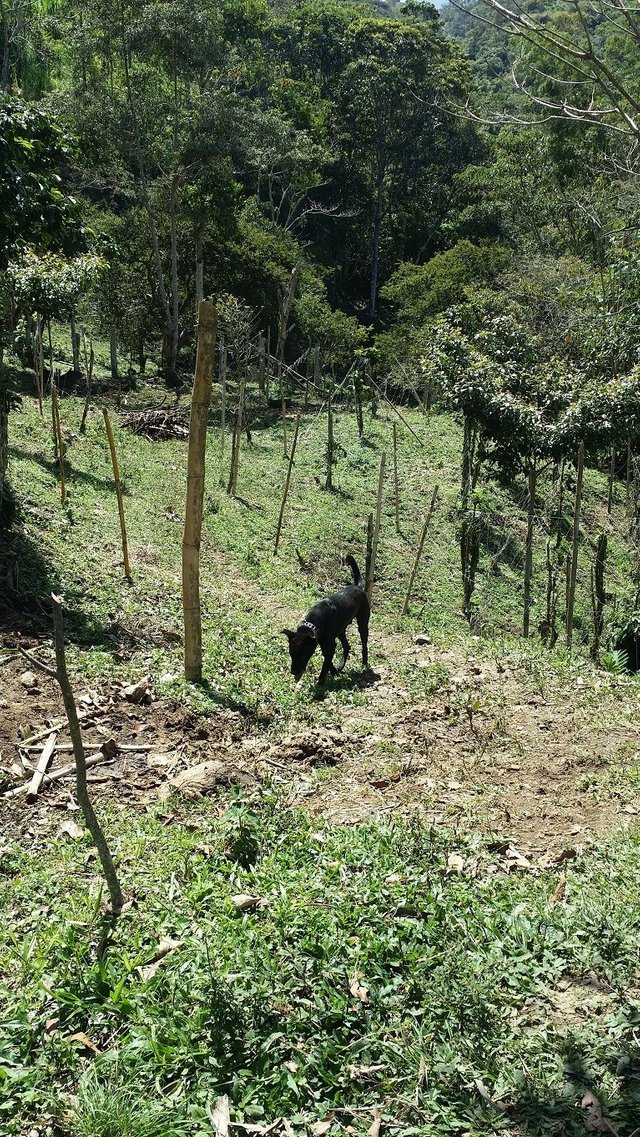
point(519, 763)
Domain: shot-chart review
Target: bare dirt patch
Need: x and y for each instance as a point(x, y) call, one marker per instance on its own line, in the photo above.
point(489, 751)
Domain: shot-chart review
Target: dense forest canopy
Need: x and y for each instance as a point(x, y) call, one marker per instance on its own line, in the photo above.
point(374, 164)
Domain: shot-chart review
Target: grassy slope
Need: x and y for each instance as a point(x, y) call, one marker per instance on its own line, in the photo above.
point(458, 967)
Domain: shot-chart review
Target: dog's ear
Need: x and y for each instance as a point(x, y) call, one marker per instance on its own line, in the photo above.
point(288, 634)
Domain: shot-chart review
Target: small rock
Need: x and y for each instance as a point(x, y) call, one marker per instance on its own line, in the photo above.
point(28, 679)
point(422, 638)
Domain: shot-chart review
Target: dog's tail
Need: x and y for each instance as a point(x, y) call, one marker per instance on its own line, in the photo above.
point(355, 571)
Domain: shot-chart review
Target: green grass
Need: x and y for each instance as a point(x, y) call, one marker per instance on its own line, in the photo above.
point(459, 972)
point(460, 969)
point(248, 593)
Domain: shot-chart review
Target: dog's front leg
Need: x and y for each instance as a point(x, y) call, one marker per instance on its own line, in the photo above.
point(328, 652)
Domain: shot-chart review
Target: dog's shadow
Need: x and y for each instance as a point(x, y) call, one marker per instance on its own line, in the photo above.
point(346, 681)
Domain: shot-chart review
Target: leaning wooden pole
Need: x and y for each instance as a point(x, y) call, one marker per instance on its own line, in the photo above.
point(286, 484)
point(417, 558)
point(376, 528)
point(200, 401)
point(60, 674)
point(118, 488)
point(573, 572)
point(58, 429)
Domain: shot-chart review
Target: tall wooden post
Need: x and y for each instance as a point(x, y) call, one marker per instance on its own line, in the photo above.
point(200, 401)
point(58, 429)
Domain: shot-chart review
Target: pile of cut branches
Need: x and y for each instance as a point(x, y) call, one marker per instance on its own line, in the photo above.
point(158, 422)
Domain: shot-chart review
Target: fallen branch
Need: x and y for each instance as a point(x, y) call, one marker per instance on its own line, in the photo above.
point(41, 768)
point(61, 772)
point(58, 725)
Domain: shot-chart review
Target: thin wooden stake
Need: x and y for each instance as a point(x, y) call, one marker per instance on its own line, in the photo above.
point(416, 561)
point(396, 491)
point(376, 528)
point(118, 489)
point(369, 554)
point(222, 376)
point(58, 428)
point(286, 484)
point(200, 401)
point(571, 596)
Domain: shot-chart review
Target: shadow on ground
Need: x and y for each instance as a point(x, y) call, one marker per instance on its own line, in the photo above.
point(26, 584)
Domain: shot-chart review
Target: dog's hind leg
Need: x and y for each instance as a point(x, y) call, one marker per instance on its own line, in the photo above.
point(362, 620)
point(345, 650)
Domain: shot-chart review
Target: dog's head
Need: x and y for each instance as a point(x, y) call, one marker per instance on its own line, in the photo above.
point(302, 644)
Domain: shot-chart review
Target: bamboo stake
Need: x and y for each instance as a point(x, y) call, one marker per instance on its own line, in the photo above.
point(286, 484)
point(416, 561)
point(58, 430)
point(118, 489)
point(41, 768)
point(235, 452)
point(376, 528)
point(574, 551)
point(395, 477)
point(200, 400)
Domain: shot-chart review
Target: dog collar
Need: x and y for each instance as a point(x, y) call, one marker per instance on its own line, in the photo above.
point(311, 627)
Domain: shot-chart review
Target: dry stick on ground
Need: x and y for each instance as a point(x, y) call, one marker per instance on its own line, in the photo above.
point(528, 555)
point(286, 484)
point(573, 572)
point(58, 429)
point(376, 529)
point(118, 489)
point(416, 561)
point(62, 772)
point(200, 400)
point(94, 713)
point(42, 766)
point(93, 825)
point(396, 492)
point(88, 367)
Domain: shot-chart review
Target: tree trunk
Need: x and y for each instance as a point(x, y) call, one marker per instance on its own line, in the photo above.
point(528, 556)
point(377, 230)
point(573, 564)
point(113, 350)
point(173, 329)
point(199, 271)
point(75, 345)
point(4, 427)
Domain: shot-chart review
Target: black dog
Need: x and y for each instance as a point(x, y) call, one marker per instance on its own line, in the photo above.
point(327, 622)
